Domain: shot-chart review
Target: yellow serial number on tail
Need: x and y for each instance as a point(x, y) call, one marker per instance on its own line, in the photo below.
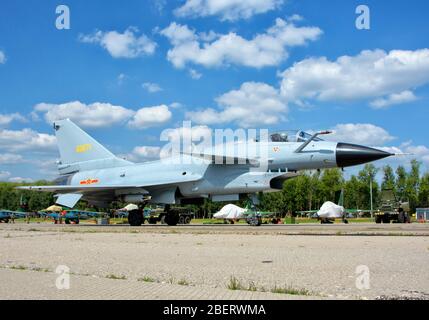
point(83, 148)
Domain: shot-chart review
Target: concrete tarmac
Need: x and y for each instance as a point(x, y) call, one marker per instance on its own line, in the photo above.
point(359, 261)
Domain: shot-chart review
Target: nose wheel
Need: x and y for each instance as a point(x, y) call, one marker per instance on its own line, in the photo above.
point(254, 218)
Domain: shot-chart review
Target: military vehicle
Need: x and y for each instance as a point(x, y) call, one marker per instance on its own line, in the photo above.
point(154, 216)
point(391, 209)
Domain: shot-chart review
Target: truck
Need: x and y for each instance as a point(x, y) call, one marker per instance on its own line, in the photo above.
point(391, 209)
point(153, 216)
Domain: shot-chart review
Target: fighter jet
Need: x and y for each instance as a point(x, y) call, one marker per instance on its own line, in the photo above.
point(329, 211)
point(88, 171)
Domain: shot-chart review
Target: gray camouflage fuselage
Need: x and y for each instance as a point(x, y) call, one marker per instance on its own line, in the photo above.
point(90, 172)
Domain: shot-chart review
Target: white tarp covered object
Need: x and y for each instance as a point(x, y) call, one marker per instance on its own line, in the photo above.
point(230, 211)
point(130, 207)
point(331, 210)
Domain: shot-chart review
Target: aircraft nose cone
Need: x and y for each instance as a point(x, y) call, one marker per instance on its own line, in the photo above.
point(352, 155)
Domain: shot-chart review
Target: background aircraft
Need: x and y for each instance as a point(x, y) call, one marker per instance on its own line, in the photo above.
point(330, 211)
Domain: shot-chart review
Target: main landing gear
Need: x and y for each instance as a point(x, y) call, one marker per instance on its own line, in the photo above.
point(171, 217)
point(136, 217)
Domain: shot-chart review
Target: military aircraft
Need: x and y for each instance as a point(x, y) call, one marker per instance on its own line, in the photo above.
point(90, 172)
point(329, 211)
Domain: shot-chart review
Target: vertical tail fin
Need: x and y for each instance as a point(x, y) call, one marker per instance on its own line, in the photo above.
point(78, 150)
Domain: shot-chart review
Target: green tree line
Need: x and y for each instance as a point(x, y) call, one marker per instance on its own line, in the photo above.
point(310, 190)
point(306, 192)
point(13, 199)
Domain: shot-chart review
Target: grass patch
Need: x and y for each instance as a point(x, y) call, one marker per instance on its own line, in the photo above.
point(396, 234)
point(38, 269)
point(290, 290)
point(18, 267)
point(146, 279)
point(8, 236)
point(71, 231)
point(252, 287)
point(199, 243)
point(234, 284)
point(116, 277)
point(183, 282)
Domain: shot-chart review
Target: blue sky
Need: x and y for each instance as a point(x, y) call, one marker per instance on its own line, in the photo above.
point(145, 66)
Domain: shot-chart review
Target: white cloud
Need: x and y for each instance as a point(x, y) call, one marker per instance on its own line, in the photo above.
point(419, 150)
point(4, 175)
point(377, 137)
point(151, 87)
point(267, 49)
point(122, 45)
point(253, 104)
point(26, 139)
point(2, 57)
point(20, 180)
point(226, 9)
point(99, 115)
point(184, 139)
point(10, 158)
point(360, 133)
point(369, 75)
point(409, 152)
point(150, 117)
point(121, 78)
point(295, 18)
point(394, 98)
point(144, 153)
point(176, 105)
point(147, 152)
point(160, 5)
point(94, 115)
point(6, 119)
point(189, 133)
point(195, 74)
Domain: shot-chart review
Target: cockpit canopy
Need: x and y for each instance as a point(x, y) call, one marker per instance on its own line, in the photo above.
point(291, 136)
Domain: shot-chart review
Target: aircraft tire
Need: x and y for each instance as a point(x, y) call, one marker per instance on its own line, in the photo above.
point(135, 218)
point(386, 219)
point(172, 219)
point(181, 220)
